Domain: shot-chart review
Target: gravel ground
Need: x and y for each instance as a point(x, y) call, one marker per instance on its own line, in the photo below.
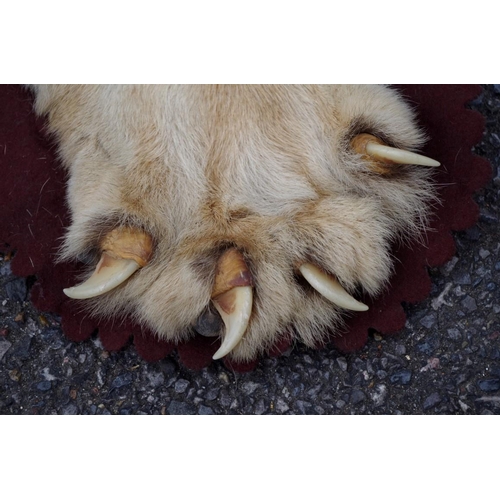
point(446, 361)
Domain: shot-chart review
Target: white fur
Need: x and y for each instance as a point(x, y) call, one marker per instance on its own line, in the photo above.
point(268, 169)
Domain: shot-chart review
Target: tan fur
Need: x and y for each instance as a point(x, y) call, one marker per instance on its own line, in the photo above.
point(266, 169)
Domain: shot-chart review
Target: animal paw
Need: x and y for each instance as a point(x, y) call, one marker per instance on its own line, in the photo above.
point(237, 211)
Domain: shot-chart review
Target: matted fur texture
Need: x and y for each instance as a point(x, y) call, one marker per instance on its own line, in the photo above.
point(266, 169)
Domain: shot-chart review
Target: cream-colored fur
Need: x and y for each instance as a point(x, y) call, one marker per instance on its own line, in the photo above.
point(267, 169)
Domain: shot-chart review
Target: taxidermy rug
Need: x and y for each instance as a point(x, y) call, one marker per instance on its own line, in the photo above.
point(34, 215)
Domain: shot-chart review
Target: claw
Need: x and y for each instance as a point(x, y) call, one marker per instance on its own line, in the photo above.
point(232, 296)
point(109, 273)
point(400, 156)
point(124, 251)
point(235, 308)
point(384, 156)
point(330, 288)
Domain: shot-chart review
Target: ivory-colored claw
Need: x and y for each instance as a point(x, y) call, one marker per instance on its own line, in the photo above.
point(382, 158)
point(330, 288)
point(124, 250)
point(399, 156)
point(232, 296)
point(109, 273)
point(235, 308)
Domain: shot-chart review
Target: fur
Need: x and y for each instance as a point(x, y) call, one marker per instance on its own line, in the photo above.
point(267, 169)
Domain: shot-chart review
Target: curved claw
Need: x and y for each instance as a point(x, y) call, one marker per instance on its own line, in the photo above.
point(382, 158)
point(109, 273)
point(399, 156)
point(124, 251)
point(235, 308)
point(330, 288)
point(232, 296)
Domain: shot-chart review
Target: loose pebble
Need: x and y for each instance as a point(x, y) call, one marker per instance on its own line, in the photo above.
point(490, 385)
point(431, 401)
point(402, 377)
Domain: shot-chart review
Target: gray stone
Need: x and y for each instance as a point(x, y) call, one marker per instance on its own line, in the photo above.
point(307, 359)
point(181, 385)
point(425, 347)
point(5, 268)
point(454, 334)
point(400, 349)
point(484, 253)
point(449, 266)
point(313, 391)
point(260, 407)
point(205, 410)
point(463, 279)
point(495, 140)
point(429, 321)
point(402, 377)
point(212, 394)
point(431, 401)
point(156, 379)
point(488, 217)
point(225, 399)
point(4, 347)
point(357, 396)
point(44, 385)
point(469, 303)
point(369, 367)
point(342, 362)
point(319, 410)
point(489, 385)
point(359, 365)
point(16, 289)
point(281, 406)
point(303, 407)
point(121, 381)
point(379, 395)
point(70, 409)
point(179, 408)
point(249, 387)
